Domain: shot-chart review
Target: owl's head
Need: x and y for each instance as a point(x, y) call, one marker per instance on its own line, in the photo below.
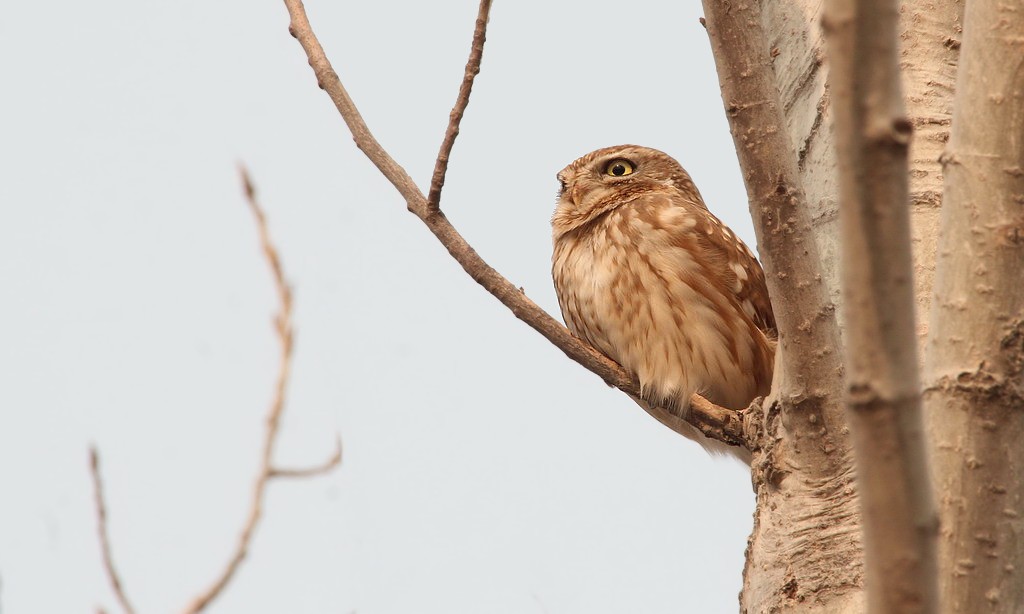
point(612, 177)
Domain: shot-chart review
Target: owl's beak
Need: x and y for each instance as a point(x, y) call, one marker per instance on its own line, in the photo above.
point(568, 187)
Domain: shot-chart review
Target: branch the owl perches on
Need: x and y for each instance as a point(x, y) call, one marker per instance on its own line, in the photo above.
point(716, 422)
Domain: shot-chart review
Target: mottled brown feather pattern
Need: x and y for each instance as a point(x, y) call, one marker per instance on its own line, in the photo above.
point(646, 274)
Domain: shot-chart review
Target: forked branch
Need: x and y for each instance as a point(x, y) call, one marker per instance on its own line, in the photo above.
point(720, 423)
point(455, 118)
point(267, 470)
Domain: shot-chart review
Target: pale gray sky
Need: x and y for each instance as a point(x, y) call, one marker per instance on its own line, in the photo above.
point(483, 472)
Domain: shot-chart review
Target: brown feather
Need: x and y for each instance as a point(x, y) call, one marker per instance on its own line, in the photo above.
point(646, 274)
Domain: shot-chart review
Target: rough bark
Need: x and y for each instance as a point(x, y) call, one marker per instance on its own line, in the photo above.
point(831, 578)
point(804, 552)
point(974, 373)
point(882, 388)
point(930, 35)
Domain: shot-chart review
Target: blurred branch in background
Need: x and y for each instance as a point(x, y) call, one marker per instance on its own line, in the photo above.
point(267, 470)
point(101, 518)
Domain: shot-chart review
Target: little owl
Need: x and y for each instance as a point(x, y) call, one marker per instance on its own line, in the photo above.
point(648, 276)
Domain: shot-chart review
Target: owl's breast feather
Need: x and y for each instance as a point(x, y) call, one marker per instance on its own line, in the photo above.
point(643, 301)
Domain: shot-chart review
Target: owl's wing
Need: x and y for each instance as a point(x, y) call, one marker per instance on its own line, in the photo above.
point(752, 292)
point(755, 292)
point(727, 262)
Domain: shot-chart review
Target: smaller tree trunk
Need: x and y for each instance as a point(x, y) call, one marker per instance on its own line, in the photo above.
point(974, 369)
point(804, 552)
point(882, 391)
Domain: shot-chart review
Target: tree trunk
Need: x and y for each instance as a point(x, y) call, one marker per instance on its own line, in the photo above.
point(804, 554)
point(974, 377)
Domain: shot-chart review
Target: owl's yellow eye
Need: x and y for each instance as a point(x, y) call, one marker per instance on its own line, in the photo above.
point(619, 168)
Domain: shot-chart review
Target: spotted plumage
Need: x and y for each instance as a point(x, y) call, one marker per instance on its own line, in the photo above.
point(648, 276)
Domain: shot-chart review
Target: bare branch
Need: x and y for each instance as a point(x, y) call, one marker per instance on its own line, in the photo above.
point(725, 425)
point(283, 327)
point(883, 399)
point(315, 470)
point(101, 517)
point(716, 421)
point(328, 81)
point(472, 69)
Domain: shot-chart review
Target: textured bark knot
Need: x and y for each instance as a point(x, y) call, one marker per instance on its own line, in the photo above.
point(988, 385)
point(1013, 234)
point(789, 589)
point(1011, 346)
point(980, 380)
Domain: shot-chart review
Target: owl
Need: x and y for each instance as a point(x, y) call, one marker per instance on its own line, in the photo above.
point(648, 276)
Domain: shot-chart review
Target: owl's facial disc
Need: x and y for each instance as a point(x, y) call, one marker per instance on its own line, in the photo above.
point(614, 177)
point(586, 188)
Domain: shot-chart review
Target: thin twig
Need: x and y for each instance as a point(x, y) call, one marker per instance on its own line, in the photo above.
point(455, 117)
point(283, 326)
point(313, 470)
point(703, 415)
point(101, 515)
point(329, 81)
